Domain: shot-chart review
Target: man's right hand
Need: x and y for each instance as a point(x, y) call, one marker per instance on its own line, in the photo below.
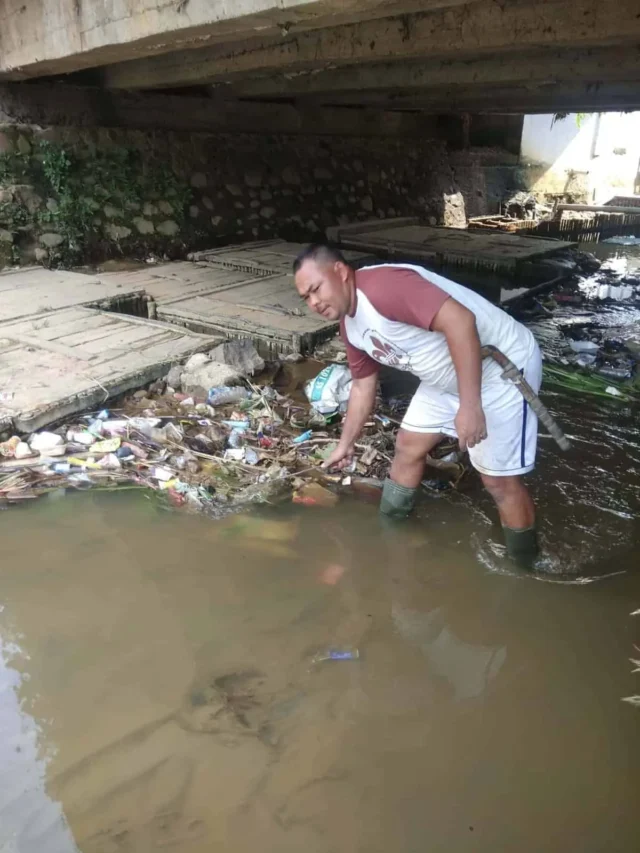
point(341, 457)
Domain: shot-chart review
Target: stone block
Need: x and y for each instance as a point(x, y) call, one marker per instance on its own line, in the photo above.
point(207, 202)
point(253, 179)
point(149, 209)
point(290, 175)
point(143, 226)
point(268, 212)
point(5, 236)
point(216, 220)
point(117, 232)
point(194, 211)
point(240, 354)
point(198, 180)
point(234, 189)
point(112, 212)
point(169, 228)
point(24, 146)
point(6, 145)
point(29, 197)
point(201, 379)
point(165, 207)
point(41, 255)
point(322, 174)
point(51, 239)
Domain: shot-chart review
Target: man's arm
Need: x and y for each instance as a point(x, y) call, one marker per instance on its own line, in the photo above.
point(362, 400)
point(458, 325)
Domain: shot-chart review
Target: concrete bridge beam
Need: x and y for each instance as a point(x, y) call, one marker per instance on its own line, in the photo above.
point(46, 37)
point(479, 29)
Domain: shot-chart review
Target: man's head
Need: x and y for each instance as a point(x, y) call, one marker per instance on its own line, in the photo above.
point(324, 280)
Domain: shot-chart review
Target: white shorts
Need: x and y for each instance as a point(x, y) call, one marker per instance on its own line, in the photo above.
point(512, 427)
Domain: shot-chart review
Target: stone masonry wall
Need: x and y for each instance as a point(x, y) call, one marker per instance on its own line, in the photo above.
point(70, 195)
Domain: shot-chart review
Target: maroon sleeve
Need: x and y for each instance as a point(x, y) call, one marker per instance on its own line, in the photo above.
point(360, 363)
point(401, 294)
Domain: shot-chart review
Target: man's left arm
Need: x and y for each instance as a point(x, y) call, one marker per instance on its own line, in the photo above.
point(458, 325)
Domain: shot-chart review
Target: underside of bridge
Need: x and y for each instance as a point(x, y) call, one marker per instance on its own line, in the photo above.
point(436, 56)
point(179, 124)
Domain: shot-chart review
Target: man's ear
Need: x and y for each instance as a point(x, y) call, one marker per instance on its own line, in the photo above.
point(342, 270)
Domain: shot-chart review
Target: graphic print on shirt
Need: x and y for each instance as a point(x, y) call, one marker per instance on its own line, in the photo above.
point(385, 351)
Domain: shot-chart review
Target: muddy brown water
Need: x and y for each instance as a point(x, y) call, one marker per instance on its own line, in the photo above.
point(158, 689)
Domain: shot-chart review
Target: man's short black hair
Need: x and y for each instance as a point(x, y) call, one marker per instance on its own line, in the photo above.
point(319, 252)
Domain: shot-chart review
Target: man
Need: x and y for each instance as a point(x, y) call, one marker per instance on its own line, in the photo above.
point(412, 319)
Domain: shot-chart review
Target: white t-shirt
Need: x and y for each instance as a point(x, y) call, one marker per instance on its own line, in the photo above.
point(396, 304)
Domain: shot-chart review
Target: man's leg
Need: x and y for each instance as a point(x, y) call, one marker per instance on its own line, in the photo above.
point(399, 492)
point(517, 515)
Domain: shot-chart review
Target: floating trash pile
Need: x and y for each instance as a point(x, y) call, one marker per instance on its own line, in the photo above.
point(591, 342)
point(213, 451)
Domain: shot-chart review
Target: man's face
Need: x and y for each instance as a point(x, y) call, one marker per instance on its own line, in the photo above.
point(325, 288)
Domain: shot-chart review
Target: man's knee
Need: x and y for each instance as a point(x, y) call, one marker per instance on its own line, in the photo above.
point(411, 447)
point(502, 489)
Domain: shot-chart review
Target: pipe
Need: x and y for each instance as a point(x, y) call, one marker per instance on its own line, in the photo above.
point(511, 372)
point(599, 208)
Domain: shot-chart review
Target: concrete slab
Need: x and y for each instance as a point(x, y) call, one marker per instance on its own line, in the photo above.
point(178, 280)
point(266, 257)
point(36, 290)
point(268, 310)
point(408, 240)
point(237, 292)
point(63, 362)
point(61, 352)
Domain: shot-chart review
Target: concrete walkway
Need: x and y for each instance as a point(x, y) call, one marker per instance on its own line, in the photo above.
point(70, 341)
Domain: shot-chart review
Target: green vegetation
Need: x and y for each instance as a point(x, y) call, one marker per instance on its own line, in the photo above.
point(589, 384)
point(70, 186)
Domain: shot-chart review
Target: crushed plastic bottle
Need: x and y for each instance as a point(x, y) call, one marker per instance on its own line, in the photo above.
point(96, 427)
point(43, 442)
point(223, 394)
point(81, 437)
point(614, 372)
point(584, 346)
point(235, 439)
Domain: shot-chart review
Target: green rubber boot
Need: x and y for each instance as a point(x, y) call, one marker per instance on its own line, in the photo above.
point(522, 545)
point(397, 501)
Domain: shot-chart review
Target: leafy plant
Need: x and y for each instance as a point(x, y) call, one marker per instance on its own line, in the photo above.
point(79, 183)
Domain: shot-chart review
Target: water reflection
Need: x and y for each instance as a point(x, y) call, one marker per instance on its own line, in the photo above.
point(30, 820)
point(173, 702)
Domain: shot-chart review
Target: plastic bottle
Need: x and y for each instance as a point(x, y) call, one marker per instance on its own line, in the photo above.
point(615, 372)
point(222, 394)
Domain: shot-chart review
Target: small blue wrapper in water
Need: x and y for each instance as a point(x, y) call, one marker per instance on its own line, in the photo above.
point(337, 654)
point(304, 437)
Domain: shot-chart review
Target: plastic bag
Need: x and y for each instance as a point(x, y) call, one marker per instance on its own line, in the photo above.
point(329, 391)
